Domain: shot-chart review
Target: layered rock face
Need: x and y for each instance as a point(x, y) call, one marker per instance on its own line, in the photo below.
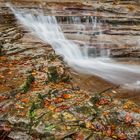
point(39, 98)
point(119, 22)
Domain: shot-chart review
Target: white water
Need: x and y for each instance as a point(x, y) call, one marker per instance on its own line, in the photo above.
point(48, 30)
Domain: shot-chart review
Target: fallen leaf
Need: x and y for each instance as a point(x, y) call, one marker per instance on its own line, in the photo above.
point(106, 113)
point(51, 107)
point(67, 96)
point(114, 137)
point(47, 103)
point(58, 100)
point(61, 108)
point(89, 125)
point(128, 105)
point(25, 100)
point(103, 101)
point(128, 118)
point(17, 106)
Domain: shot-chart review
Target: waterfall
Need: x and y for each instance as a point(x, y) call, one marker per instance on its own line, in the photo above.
point(49, 31)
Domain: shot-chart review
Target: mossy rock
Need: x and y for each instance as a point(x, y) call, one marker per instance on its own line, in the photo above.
point(30, 79)
point(54, 76)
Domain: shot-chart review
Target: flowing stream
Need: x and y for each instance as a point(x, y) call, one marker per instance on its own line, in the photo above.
point(77, 57)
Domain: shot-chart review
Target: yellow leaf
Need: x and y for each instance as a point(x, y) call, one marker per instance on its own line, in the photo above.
point(114, 137)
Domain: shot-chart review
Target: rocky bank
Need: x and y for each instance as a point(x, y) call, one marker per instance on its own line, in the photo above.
point(41, 98)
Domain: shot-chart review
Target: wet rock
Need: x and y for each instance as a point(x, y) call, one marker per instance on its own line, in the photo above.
point(9, 40)
point(7, 105)
point(18, 135)
point(1, 40)
point(68, 116)
point(40, 128)
point(17, 36)
point(57, 73)
point(11, 30)
point(26, 70)
point(135, 116)
point(17, 120)
point(12, 33)
point(4, 35)
point(26, 86)
point(53, 75)
point(3, 103)
point(7, 46)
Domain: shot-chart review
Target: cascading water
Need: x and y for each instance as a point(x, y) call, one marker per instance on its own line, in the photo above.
point(48, 30)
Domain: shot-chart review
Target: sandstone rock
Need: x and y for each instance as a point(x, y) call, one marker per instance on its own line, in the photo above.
point(17, 36)
point(116, 32)
point(40, 128)
point(7, 46)
point(11, 30)
point(12, 33)
point(18, 135)
point(8, 40)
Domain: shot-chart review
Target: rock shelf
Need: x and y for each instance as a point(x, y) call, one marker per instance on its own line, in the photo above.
point(41, 98)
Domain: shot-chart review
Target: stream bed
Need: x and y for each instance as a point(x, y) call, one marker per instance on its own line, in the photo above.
point(43, 98)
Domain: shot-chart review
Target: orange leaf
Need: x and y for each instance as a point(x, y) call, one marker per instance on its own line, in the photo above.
point(18, 106)
point(58, 100)
point(106, 113)
point(52, 108)
point(34, 73)
point(18, 96)
point(25, 100)
point(89, 125)
point(66, 96)
point(47, 103)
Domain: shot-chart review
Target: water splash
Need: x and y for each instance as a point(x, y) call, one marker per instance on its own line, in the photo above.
point(49, 31)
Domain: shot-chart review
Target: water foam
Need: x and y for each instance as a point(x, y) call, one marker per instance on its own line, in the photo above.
point(49, 31)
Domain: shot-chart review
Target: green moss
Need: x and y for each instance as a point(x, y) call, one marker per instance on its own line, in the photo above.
point(30, 79)
point(55, 77)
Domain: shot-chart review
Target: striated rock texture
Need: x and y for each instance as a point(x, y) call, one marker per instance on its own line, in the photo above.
point(41, 99)
point(120, 22)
